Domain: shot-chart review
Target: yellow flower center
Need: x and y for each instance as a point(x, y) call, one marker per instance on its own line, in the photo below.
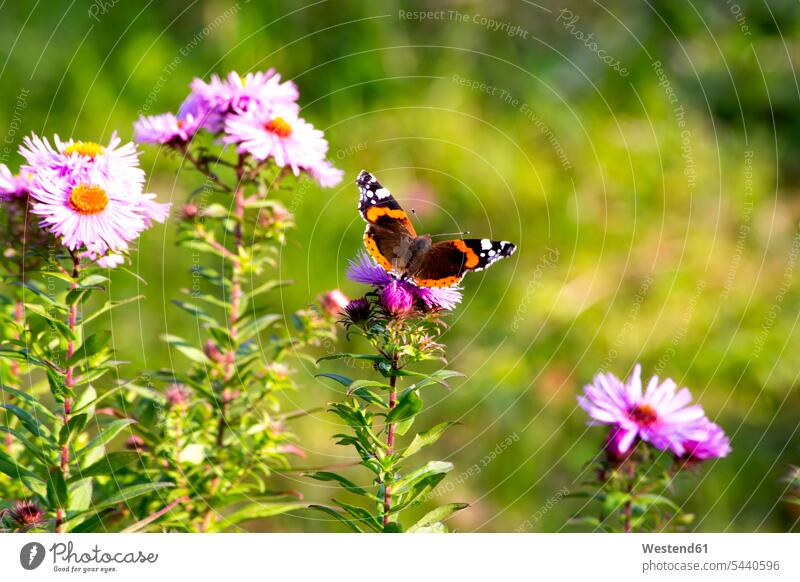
point(88, 199)
point(279, 127)
point(89, 149)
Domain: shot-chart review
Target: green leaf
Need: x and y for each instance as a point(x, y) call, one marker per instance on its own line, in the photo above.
point(29, 422)
point(194, 310)
point(407, 407)
point(75, 425)
point(37, 450)
point(353, 525)
point(367, 384)
point(11, 468)
point(346, 356)
point(142, 523)
point(187, 349)
point(58, 385)
point(393, 527)
point(438, 377)
point(648, 499)
point(77, 294)
point(109, 305)
point(57, 493)
point(215, 210)
point(266, 287)
point(85, 400)
point(370, 397)
point(614, 500)
point(361, 515)
point(437, 515)
point(193, 454)
point(254, 327)
point(343, 380)
point(129, 493)
point(431, 468)
point(80, 495)
point(255, 511)
point(110, 464)
point(437, 527)
point(112, 430)
point(426, 438)
point(346, 483)
point(93, 280)
point(40, 408)
point(93, 345)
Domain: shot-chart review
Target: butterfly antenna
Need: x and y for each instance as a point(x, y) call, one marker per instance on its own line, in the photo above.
point(461, 234)
point(414, 212)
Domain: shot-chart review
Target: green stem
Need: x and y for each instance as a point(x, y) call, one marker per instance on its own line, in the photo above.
point(69, 382)
point(387, 488)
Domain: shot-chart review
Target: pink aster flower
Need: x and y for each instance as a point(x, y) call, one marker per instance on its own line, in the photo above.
point(715, 444)
point(325, 173)
point(364, 270)
point(116, 162)
point(660, 416)
point(88, 211)
point(151, 210)
point(14, 186)
point(165, 129)
point(236, 94)
point(278, 134)
point(110, 260)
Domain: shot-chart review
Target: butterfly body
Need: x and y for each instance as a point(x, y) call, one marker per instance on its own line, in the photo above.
point(393, 242)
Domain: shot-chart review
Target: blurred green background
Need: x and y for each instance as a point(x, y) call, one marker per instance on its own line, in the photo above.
point(642, 156)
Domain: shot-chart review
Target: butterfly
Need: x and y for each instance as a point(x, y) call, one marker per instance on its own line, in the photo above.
point(394, 244)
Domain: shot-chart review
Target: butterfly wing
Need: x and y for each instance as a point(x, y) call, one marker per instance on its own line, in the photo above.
point(446, 263)
point(389, 231)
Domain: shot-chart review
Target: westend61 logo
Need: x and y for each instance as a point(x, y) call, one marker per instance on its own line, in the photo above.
point(67, 559)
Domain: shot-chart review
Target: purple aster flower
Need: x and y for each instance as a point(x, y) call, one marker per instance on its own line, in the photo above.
point(612, 445)
point(396, 299)
point(89, 211)
point(714, 445)
point(660, 416)
point(357, 312)
point(14, 186)
point(364, 270)
point(165, 129)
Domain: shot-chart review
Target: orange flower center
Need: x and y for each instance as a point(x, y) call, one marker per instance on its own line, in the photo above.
point(89, 149)
point(279, 127)
point(643, 414)
point(88, 199)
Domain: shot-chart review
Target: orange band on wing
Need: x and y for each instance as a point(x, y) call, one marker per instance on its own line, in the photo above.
point(445, 282)
point(372, 248)
point(375, 212)
point(472, 258)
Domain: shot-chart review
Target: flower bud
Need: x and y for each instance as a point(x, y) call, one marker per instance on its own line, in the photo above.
point(334, 301)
